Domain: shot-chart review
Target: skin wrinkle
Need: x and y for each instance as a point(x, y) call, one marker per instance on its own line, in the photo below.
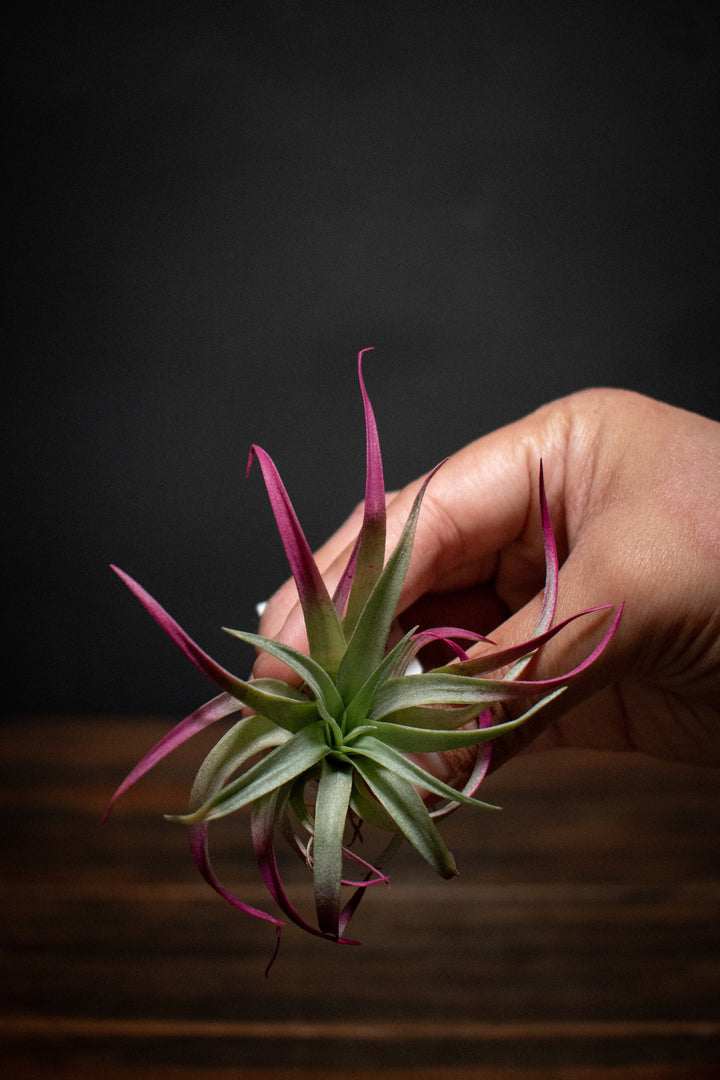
point(443, 523)
point(581, 446)
point(687, 495)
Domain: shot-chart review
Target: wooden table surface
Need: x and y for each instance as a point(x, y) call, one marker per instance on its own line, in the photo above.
point(581, 941)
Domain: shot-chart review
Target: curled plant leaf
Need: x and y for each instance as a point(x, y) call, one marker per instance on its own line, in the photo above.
point(311, 764)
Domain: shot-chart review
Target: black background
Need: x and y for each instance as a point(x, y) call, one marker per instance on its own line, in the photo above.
point(211, 207)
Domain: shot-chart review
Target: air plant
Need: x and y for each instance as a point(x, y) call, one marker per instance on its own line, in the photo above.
point(315, 758)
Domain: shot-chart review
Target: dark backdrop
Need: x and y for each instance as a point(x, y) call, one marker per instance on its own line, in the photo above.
point(213, 205)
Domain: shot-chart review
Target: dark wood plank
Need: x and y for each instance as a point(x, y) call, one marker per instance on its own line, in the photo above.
point(582, 939)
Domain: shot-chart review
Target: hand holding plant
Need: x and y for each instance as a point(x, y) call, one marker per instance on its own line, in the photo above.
point(343, 740)
point(633, 492)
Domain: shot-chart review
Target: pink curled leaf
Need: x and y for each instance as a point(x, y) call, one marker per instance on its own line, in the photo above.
point(262, 831)
point(448, 635)
point(198, 835)
point(552, 569)
point(325, 636)
point(204, 663)
point(368, 555)
point(221, 706)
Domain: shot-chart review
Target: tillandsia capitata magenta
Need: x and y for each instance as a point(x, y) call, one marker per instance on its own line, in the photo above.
point(316, 758)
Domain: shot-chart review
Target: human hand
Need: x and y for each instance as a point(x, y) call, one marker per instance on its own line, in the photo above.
point(632, 491)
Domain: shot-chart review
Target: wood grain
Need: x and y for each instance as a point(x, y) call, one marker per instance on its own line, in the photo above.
point(581, 941)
